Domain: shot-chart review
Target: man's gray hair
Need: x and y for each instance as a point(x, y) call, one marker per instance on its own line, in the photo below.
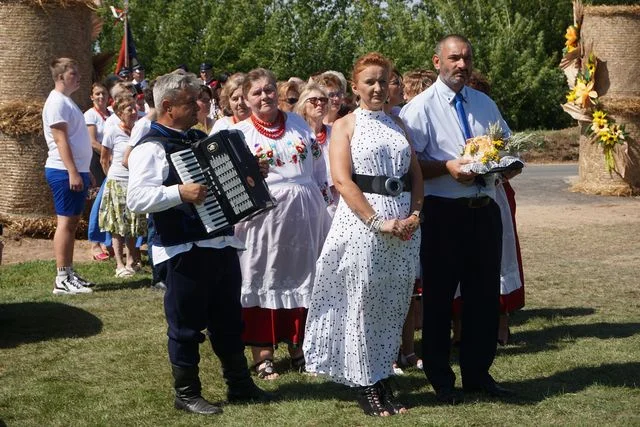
point(446, 38)
point(170, 85)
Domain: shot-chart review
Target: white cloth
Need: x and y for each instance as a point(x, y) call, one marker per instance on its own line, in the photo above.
point(148, 168)
point(364, 279)
point(112, 121)
point(92, 117)
point(278, 267)
point(222, 124)
point(436, 133)
point(59, 108)
point(117, 141)
point(140, 129)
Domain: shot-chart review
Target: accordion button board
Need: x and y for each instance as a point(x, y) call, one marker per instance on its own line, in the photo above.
point(236, 190)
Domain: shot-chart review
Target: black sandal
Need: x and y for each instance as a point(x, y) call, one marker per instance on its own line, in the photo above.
point(298, 364)
point(388, 398)
point(264, 368)
point(370, 401)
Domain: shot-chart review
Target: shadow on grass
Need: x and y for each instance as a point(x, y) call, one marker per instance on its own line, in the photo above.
point(29, 322)
point(552, 338)
point(575, 380)
point(523, 316)
point(129, 284)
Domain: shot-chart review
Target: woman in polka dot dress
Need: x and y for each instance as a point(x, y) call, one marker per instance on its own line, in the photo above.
point(365, 273)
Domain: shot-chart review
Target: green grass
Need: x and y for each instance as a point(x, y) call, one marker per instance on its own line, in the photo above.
point(100, 359)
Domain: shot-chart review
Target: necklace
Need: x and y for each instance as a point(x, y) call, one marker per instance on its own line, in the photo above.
point(321, 136)
point(101, 114)
point(261, 126)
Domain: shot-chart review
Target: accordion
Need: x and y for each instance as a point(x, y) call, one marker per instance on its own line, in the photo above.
point(236, 190)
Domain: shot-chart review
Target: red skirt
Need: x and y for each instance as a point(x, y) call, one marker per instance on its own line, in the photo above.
point(264, 327)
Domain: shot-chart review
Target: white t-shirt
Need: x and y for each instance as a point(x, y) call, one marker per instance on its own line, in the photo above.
point(117, 140)
point(92, 117)
point(140, 129)
point(59, 108)
point(222, 124)
point(112, 121)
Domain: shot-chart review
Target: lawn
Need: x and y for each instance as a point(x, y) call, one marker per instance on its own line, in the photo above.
point(100, 359)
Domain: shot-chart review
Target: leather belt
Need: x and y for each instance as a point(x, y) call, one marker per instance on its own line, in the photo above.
point(468, 202)
point(380, 184)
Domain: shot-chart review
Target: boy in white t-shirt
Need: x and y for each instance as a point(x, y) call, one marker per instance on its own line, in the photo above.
point(66, 169)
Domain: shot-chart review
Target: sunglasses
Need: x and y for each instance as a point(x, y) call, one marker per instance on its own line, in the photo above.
point(337, 94)
point(315, 100)
point(291, 101)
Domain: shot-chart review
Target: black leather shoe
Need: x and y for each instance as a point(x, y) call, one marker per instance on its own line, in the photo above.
point(248, 392)
point(449, 396)
point(490, 388)
point(196, 405)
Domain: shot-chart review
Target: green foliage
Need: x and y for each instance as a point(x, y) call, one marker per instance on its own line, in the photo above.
point(516, 43)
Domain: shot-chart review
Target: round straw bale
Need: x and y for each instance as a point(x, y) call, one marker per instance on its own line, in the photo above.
point(611, 32)
point(32, 33)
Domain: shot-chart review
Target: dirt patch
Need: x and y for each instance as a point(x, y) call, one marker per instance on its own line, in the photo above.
point(21, 249)
point(554, 146)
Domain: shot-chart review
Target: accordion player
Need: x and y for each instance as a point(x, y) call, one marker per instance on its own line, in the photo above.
point(236, 190)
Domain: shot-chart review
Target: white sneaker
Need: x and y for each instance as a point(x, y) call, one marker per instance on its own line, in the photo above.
point(67, 285)
point(79, 280)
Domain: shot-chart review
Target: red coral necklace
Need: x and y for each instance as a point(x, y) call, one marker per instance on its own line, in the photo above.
point(321, 136)
point(261, 126)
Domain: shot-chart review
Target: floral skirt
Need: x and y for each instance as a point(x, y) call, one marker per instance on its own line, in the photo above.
point(114, 216)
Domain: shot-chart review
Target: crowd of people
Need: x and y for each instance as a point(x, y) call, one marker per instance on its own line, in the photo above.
point(375, 228)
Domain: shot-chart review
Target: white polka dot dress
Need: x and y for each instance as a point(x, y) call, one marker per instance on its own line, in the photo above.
point(364, 279)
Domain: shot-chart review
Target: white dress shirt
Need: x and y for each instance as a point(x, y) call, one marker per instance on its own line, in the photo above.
point(148, 168)
point(437, 134)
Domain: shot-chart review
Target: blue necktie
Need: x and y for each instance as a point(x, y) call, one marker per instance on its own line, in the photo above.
point(462, 117)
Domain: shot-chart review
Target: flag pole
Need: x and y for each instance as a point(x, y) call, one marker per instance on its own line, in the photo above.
point(126, 34)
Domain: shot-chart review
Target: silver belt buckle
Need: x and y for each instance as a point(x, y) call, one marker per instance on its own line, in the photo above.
point(394, 186)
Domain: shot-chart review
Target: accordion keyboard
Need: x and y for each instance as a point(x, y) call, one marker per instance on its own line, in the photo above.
point(189, 171)
point(231, 184)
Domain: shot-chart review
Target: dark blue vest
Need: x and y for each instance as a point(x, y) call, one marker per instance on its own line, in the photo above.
point(179, 224)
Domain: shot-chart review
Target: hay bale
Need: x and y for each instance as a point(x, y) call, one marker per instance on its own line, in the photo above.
point(612, 33)
point(32, 33)
point(23, 188)
point(625, 180)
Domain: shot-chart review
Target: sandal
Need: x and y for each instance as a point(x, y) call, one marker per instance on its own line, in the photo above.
point(264, 368)
point(124, 272)
point(101, 257)
point(410, 360)
point(370, 401)
point(298, 364)
point(388, 398)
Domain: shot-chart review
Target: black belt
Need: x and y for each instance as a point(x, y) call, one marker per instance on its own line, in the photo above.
point(469, 202)
point(380, 184)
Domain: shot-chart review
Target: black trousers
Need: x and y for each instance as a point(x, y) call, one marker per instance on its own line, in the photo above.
point(460, 245)
point(203, 292)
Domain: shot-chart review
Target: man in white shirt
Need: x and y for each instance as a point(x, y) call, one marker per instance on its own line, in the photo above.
point(462, 230)
point(66, 169)
point(202, 269)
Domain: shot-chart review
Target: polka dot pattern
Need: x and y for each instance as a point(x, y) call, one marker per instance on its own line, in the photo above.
point(363, 279)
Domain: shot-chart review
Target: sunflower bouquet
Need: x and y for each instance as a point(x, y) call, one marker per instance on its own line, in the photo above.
point(493, 152)
point(604, 131)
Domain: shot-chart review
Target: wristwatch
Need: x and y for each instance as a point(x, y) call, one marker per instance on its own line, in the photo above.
point(418, 214)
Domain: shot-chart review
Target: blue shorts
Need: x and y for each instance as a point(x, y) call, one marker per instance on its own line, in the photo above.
point(67, 202)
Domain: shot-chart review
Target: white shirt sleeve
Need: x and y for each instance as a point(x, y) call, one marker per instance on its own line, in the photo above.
point(148, 168)
point(140, 129)
point(415, 120)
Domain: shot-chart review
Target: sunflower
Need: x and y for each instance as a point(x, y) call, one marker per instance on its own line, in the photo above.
point(584, 93)
point(572, 38)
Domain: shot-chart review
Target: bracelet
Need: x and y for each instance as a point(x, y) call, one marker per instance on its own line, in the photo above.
point(416, 213)
point(371, 218)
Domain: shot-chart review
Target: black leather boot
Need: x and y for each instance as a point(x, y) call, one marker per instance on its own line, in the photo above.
point(188, 388)
point(241, 386)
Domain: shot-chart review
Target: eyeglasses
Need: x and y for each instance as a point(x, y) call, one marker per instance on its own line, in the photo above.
point(318, 100)
point(291, 101)
point(337, 94)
